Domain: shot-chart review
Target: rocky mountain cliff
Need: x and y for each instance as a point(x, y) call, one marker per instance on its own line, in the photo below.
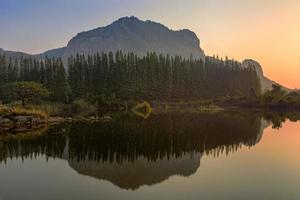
point(266, 84)
point(131, 34)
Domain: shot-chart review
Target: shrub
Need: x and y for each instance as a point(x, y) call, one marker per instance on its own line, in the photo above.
point(81, 108)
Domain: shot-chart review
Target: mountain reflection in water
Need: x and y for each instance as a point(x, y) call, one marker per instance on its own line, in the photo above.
point(132, 152)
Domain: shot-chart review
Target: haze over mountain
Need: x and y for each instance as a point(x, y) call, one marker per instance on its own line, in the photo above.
point(131, 34)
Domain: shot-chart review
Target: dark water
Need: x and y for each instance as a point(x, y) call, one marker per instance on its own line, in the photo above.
point(174, 156)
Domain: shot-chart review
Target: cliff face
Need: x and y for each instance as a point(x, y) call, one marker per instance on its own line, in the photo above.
point(130, 34)
point(266, 84)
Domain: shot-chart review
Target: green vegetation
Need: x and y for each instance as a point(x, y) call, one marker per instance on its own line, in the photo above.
point(101, 83)
point(27, 92)
point(157, 77)
point(127, 76)
point(281, 99)
point(48, 72)
point(275, 99)
point(83, 108)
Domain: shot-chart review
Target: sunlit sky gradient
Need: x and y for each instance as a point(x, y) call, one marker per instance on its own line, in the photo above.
point(265, 30)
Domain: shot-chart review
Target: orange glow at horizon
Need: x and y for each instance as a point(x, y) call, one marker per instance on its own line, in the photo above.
point(271, 37)
point(266, 31)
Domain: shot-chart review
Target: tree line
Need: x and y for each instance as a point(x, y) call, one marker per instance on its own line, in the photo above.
point(48, 72)
point(159, 77)
point(129, 76)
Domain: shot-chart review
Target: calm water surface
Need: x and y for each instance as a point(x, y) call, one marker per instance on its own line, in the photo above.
point(174, 156)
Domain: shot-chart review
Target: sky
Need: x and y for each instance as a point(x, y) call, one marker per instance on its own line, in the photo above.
point(267, 31)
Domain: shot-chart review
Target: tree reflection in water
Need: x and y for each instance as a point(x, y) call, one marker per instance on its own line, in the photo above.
point(132, 152)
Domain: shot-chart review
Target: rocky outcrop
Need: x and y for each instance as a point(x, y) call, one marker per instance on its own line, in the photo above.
point(131, 34)
point(266, 84)
point(16, 120)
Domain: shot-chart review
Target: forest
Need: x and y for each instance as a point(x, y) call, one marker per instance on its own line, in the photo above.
point(129, 76)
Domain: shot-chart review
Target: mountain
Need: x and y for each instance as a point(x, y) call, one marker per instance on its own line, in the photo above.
point(14, 54)
point(131, 34)
point(128, 34)
point(56, 53)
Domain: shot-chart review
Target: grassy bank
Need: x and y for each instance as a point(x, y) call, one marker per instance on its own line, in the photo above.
point(9, 111)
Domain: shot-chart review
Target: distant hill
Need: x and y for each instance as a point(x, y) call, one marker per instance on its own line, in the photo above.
point(14, 54)
point(56, 53)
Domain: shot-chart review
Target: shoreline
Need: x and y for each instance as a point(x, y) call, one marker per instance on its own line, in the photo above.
point(18, 120)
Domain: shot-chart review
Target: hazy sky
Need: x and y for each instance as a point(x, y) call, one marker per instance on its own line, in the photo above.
point(265, 30)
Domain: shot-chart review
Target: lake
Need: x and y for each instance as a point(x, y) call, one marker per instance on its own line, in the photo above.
point(167, 156)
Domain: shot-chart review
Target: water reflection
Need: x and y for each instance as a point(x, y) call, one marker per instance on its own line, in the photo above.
point(131, 152)
point(132, 175)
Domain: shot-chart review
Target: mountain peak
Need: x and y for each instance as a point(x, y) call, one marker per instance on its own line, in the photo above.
point(131, 18)
point(135, 21)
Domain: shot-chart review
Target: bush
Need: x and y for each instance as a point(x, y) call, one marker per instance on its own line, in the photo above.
point(27, 92)
point(81, 108)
